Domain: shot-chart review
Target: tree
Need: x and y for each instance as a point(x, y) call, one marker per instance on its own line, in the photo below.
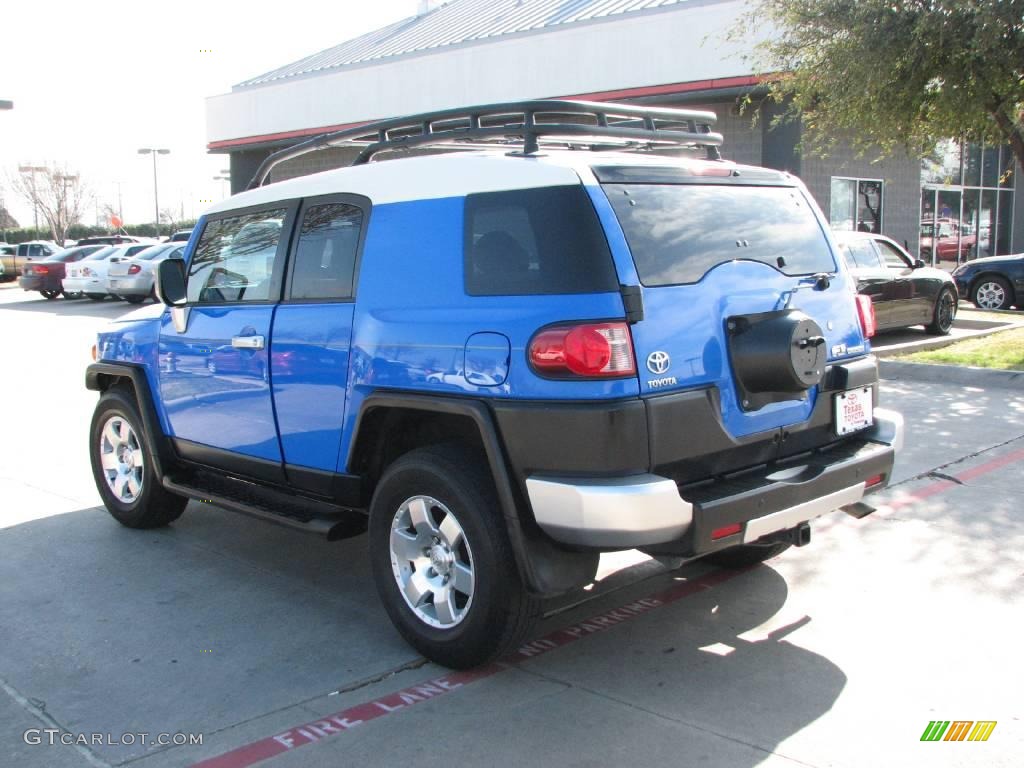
point(56, 193)
point(890, 72)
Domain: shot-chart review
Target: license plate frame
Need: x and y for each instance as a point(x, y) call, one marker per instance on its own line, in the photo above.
point(854, 410)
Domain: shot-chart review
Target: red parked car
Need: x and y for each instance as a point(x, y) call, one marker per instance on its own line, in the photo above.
point(45, 276)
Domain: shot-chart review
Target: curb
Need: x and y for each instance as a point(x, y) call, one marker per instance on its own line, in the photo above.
point(979, 329)
point(951, 374)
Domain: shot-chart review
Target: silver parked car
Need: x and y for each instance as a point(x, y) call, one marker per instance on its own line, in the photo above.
point(132, 279)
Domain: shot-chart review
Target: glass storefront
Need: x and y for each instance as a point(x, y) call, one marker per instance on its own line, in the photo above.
point(856, 204)
point(966, 203)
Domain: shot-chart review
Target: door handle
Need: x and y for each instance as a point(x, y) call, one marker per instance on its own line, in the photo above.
point(248, 342)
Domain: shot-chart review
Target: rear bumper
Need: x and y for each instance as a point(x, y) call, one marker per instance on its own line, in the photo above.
point(648, 510)
point(130, 285)
point(33, 283)
point(83, 285)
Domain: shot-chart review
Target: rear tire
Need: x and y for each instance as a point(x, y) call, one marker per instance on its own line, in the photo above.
point(992, 293)
point(442, 561)
point(50, 295)
point(943, 313)
point(122, 465)
point(744, 555)
point(134, 299)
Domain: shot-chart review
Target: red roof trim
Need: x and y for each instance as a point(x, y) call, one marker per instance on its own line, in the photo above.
point(624, 93)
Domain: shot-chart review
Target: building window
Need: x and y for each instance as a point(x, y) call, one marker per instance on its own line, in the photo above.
point(966, 202)
point(856, 204)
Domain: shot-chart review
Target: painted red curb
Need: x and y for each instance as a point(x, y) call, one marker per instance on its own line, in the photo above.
point(940, 486)
point(318, 730)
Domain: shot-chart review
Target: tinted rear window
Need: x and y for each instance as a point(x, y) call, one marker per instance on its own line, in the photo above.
point(101, 254)
point(534, 241)
point(677, 233)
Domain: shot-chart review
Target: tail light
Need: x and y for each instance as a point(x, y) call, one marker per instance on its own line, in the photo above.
point(592, 350)
point(866, 313)
point(40, 269)
point(134, 269)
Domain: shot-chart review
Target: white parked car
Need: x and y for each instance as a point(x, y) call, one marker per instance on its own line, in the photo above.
point(132, 279)
point(89, 276)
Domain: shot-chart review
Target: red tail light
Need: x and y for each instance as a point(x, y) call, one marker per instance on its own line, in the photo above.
point(134, 269)
point(866, 313)
point(599, 350)
point(41, 270)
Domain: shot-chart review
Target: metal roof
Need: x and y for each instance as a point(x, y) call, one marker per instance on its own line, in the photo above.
point(458, 21)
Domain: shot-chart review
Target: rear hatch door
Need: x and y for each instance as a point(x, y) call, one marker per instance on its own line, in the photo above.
point(713, 254)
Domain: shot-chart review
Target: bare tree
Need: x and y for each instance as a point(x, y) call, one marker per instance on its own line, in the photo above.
point(168, 217)
point(56, 193)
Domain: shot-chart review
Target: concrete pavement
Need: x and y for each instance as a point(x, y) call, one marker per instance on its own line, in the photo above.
point(836, 654)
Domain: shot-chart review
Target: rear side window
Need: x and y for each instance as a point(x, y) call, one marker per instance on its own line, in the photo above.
point(677, 233)
point(535, 241)
point(325, 257)
point(234, 260)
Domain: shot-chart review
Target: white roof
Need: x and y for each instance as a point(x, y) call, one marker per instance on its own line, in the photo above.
point(431, 177)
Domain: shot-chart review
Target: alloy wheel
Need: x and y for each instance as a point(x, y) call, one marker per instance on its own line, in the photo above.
point(990, 295)
point(122, 459)
point(432, 562)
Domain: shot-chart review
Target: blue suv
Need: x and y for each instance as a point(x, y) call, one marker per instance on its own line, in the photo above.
point(586, 333)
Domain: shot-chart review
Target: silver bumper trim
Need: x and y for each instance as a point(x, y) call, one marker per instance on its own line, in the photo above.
point(619, 512)
point(801, 513)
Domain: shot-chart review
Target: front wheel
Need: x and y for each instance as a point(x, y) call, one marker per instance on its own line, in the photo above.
point(122, 466)
point(943, 314)
point(992, 293)
point(50, 295)
point(442, 561)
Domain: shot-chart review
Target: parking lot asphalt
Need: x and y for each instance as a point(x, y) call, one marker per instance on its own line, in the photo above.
point(273, 647)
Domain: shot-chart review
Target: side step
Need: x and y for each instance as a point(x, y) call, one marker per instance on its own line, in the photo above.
point(275, 506)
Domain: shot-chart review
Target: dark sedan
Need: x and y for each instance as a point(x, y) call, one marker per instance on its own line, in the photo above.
point(996, 282)
point(903, 290)
point(45, 276)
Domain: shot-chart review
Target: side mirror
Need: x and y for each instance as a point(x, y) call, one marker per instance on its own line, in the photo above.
point(170, 282)
point(918, 263)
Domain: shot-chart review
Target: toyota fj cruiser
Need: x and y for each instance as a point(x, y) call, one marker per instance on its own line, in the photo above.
point(503, 362)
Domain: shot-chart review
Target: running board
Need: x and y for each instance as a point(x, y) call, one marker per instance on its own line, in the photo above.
point(289, 510)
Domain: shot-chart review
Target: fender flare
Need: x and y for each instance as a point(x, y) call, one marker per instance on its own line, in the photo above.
point(545, 568)
point(98, 378)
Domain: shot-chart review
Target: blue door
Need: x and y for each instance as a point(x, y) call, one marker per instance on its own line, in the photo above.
point(215, 353)
point(312, 332)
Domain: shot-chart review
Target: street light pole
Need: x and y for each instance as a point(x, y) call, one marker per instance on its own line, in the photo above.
point(34, 169)
point(156, 200)
point(222, 178)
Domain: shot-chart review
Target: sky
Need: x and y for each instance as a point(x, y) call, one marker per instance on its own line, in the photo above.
point(93, 83)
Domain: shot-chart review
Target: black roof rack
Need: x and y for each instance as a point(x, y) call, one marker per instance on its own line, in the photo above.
point(574, 124)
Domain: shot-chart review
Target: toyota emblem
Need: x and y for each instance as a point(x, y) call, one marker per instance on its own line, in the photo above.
point(658, 362)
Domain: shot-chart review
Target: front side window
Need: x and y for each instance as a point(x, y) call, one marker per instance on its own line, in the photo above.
point(325, 257)
point(892, 257)
point(234, 260)
point(677, 233)
point(860, 254)
point(535, 241)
